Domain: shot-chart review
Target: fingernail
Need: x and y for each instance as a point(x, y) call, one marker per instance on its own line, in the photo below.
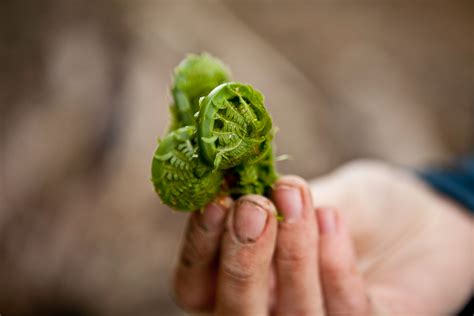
point(289, 203)
point(249, 221)
point(327, 221)
point(213, 217)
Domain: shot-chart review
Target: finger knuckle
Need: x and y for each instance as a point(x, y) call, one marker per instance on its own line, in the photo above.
point(332, 267)
point(296, 249)
point(195, 251)
point(293, 259)
point(238, 272)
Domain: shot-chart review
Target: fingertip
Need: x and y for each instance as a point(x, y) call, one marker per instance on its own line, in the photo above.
point(328, 221)
point(293, 199)
point(296, 250)
point(259, 200)
point(245, 257)
point(251, 216)
point(289, 202)
point(291, 180)
point(213, 216)
point(225, 201)
point(336, 247)
point(249, 221)
point(343, 285)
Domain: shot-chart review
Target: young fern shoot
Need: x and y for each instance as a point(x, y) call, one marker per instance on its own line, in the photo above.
point(220, 140)
point(181, 179)
point(195, 77)
point(234, 126)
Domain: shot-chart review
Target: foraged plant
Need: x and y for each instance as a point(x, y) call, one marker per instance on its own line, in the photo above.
point(234, 126)
point(194, 77)
point(181, 179)
point(220, 140)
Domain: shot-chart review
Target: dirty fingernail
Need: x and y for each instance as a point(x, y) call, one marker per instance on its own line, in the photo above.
point(249, 221)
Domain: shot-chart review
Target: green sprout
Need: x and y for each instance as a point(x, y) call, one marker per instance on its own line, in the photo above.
point(220, 140)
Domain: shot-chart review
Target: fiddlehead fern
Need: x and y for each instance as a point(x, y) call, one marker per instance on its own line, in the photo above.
point(234, 126)
point(220, 138)
point(180, 178)
point(195, 77)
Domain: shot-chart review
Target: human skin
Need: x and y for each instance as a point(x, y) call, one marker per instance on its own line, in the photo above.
point(367, 239)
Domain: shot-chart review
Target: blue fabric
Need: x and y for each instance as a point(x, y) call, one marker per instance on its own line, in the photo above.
point(456, 182)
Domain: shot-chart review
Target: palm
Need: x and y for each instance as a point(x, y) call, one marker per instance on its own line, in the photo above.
point(412, 247)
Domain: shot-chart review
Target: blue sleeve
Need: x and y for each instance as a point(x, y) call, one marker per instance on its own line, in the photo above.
point(455, 182)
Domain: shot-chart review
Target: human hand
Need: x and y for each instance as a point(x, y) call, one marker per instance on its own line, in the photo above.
point(311, 273)
point(414, 248)
point(258, 266)
point(226, 257)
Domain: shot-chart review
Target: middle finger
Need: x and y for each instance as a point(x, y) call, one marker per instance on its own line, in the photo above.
point(296, 257)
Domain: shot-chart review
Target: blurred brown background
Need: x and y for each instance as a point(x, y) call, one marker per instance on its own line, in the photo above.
point(84, 96)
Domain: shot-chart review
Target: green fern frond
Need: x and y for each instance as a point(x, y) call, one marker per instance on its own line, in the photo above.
point(219, 130)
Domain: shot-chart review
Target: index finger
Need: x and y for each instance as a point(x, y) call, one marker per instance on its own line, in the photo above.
point(195, 276)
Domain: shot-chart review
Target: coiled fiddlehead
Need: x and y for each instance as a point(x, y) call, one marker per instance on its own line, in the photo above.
point(234, 126)
point(181, 179)
point(220, 138)
point(195, 77)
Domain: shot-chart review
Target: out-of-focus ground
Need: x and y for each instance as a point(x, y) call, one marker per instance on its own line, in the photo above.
point(84, 96)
